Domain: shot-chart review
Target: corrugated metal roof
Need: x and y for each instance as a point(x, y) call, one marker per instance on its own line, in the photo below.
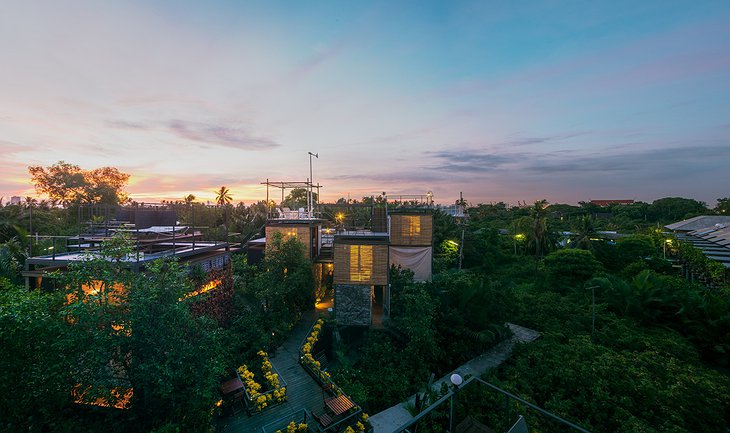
point(699, 222)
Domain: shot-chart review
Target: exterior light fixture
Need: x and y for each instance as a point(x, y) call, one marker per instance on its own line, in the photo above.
point(456, 380)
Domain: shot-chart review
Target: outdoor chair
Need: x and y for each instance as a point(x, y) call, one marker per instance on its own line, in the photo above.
point(324, 419)
point(237, 402)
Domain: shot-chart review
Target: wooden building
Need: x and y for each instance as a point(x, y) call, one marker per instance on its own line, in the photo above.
point(361, 278)
point(356, 263)
point(306, 231)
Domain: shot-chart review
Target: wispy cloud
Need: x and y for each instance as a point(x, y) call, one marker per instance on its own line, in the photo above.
point(207, 133)
point(471, 161)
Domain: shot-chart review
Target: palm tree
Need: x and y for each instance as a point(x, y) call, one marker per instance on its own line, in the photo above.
point(189, 199)
point(222, 197)
point(538, 211)
point(583, 233)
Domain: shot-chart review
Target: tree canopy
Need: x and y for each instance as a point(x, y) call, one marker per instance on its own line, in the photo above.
point(67, 183)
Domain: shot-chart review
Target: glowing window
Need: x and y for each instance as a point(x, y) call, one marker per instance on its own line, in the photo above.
point(361, 262)
point(411, 226)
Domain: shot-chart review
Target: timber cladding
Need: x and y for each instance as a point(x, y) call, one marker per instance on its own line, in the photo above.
point(301, 232)
point(360, 264)
point(411, 229)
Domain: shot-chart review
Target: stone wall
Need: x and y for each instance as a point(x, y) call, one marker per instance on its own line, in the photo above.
point(352, 304)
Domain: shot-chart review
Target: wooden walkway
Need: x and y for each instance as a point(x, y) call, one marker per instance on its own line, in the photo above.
point(302, 390)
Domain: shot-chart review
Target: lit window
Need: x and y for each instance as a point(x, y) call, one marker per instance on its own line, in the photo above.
point(361, 262)
point(411, 226)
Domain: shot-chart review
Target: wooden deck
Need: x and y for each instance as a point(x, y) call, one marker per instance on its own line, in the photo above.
point(302, 390)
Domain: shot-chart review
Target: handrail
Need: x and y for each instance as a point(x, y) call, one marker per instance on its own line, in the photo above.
point(303, 412)
point(282, 384)
point(322, 379)
point(451, 392)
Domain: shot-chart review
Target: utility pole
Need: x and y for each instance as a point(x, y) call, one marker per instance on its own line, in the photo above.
point(461, 248)
point(311, 181)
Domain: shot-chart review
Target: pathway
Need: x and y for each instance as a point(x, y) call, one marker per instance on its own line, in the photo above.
point(390, 419)
point(302, 390)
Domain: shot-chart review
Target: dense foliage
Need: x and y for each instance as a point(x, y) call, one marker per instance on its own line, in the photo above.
point(653, 360)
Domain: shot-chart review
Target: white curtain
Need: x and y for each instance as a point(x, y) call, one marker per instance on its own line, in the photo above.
point(417, 259)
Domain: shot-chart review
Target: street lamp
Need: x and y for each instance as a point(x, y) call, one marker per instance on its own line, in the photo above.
point(456, 380)
point(666, 242)
point(518, 237)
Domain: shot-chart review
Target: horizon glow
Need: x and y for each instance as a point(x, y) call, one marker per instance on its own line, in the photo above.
point(516, 102)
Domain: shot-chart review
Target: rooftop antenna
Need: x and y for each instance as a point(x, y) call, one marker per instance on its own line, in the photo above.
point(311, 181)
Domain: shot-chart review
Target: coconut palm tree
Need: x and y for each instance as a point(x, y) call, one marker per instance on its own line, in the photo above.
point(223, 197)
point(540, 241)
point(584, 232)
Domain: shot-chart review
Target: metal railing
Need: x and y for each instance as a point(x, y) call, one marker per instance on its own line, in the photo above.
point(322, 378)
point(509, 399)
point(302, 416)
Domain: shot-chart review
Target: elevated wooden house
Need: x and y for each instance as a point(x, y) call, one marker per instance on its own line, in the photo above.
point(361, 278)
point(356, 263)
point(411, 241)
point(306, 231)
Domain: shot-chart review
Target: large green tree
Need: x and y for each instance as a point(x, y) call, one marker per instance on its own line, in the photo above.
point(570, 268)
point(723, 206)
point(286, 285)
point(128, 330)
point(66, 183)
point(671, 209)
point(298, 198)
point(33, 380)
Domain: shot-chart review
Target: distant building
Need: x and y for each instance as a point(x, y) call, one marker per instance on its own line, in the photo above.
point(455, 210)
point(15, 200)
point(606, 203)
point(711, 235)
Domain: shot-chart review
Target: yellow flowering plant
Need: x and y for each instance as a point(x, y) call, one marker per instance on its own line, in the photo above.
point(260, 400)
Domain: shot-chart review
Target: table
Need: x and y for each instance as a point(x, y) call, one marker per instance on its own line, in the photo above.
point(231, 386)
point(339, 405)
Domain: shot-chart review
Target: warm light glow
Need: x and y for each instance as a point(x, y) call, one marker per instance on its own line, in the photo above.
point(121, 330)
point(520, 237)
point(115, 294)
point(340, 216)
point(207, 287)
point(120, 395)
point(454, 243)
point(361, 262)
point(411, 226)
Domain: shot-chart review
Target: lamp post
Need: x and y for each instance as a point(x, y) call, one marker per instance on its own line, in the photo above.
point(456, 380)
point(311, 181)
point(518, 237)
point(665, 243)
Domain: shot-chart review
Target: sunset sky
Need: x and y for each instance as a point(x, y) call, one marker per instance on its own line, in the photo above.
point(502, 100)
